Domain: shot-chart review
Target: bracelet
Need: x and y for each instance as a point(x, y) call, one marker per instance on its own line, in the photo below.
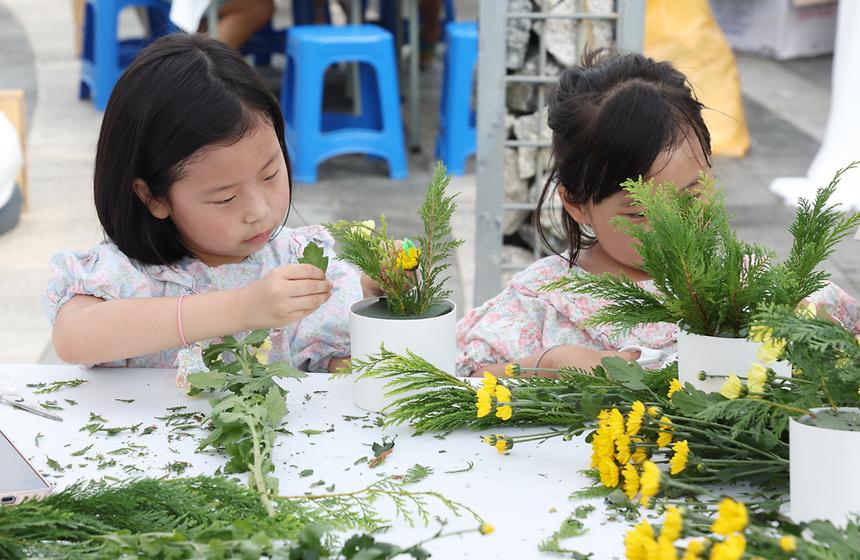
point(179, 320)
point(543, 354)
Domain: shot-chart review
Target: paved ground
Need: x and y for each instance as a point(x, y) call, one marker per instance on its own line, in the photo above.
point(786, 106)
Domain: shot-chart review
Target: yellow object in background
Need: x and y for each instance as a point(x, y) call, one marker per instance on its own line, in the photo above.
point(686, 34)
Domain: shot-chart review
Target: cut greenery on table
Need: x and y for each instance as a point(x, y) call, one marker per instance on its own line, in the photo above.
point(410, 276)
point(706, 279)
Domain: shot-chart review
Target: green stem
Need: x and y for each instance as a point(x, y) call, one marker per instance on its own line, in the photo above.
point(257, 471)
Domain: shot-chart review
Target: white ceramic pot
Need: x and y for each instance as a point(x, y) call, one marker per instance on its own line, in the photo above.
point(431, 338)
point(823, 470)
point(718, 356)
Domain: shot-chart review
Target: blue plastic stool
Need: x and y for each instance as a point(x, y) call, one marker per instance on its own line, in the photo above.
point(313, 136)
point(104, 56)
point(455, 141)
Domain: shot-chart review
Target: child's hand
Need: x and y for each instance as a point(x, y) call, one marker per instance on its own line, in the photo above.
point(370, 287)
point(285, 295)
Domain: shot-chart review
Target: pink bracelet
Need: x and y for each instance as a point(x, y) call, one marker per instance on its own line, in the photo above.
point(179, 321)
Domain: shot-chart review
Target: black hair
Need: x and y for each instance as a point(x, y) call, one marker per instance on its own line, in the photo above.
point(181, 94)
point(610, 118)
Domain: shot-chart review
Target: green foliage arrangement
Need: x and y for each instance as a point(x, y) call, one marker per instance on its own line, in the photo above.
point(248, 408)
point(706, 278)
point(410, 276)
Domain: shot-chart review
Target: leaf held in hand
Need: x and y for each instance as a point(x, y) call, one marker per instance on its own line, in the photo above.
point(313, 254)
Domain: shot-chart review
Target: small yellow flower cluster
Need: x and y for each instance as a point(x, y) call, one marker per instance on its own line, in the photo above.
point(728, 542)
point(263, 353)
point(757, 377)
point(500, 442)
point(617, 451)
point(486, 528)
point(674, 387)
point(641, 544)
point(492, 389)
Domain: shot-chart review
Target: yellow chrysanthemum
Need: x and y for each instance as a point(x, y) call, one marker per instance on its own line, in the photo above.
point(631, 480)
point(616, 423)
point(266, 346)
point(770, 350)
point(504, 412)
point(756, 379)
point(788, 543)
point(490, 381)
point(857, 338)
point(665, 550)
point(408, 259)
point(639, 543)
point(512, 370)
point(664, 438)
point(364, 229)
point(730, 549)
point(732, 387)
point(484, 402)
point(608, 472)
point(262, 358)
point(622, 447)
point(760, 333)
point(731, 517)
point(486, 528)
point(503, 444)
point(640, 455)
point(674, 387)
point(602, 445)
point(653, 411)
point(672, 525)
point(503, 394)
point(649, 482)
point(678, 462)
point(694, 550)
point(489, 440)
point(634, 418)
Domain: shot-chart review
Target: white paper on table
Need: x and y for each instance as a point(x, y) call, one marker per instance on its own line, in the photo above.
point(186, 14)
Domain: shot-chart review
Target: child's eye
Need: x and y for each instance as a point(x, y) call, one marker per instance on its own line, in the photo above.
point(225, 201)
point(272, 176)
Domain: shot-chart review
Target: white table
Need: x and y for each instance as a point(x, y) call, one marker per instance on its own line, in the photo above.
point(524, 494)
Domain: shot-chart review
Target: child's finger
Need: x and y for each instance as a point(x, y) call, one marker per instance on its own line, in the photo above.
point(298, 288)
point(309, 303)
point(301, 271)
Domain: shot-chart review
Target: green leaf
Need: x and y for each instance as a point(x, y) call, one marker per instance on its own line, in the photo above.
point(208, 379)
point(314, 254)
point(629, 374)
point(276, 407)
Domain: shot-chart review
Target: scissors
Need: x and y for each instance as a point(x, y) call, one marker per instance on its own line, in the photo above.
point(10, 394)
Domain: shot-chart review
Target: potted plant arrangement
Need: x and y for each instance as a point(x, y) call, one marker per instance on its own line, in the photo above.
point(708, 281)
point(824, 425)
point(413, 313)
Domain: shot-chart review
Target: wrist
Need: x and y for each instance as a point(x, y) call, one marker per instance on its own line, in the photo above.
point(237, 305)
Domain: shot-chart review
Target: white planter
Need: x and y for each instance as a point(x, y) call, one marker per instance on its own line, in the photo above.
point(718, 356)
point(823, 470)
point(431, 338)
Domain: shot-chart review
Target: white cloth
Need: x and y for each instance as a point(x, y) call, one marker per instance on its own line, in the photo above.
point(186, 14)
point(11, 159)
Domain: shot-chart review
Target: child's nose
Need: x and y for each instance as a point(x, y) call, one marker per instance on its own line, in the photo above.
point(257, 209)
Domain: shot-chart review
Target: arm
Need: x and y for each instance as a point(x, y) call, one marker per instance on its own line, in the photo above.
point(91, 330)
point(557, 357)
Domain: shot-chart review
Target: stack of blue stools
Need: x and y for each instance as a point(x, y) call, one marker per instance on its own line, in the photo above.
point(455, 141)
point(103, 55)
point(313, 135)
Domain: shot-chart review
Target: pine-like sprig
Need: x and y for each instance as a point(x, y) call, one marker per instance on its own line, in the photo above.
point(706, 278)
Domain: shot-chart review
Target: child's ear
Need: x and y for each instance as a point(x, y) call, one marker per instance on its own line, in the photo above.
point(574, 209)
point(159, 208)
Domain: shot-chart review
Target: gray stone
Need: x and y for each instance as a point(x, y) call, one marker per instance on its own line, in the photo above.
point(531, 128)
point(518, 34)
point(523, 97)
point(516, 190)
point(593, 34)
point(560, 34)
point(516, 257)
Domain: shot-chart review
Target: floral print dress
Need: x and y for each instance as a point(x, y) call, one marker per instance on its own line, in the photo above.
point(310, 344)
point(523, 320)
